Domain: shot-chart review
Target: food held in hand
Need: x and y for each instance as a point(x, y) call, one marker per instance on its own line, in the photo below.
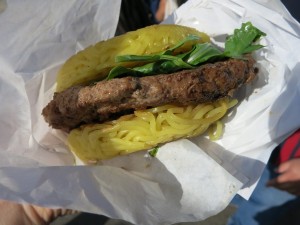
point(147, 87)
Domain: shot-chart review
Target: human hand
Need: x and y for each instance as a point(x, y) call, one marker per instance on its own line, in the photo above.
point(288, 178)
point(15, 214)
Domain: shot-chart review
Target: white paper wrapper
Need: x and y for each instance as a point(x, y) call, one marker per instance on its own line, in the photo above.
point(189, 180)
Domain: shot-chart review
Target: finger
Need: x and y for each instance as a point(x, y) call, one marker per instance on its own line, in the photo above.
point(283, 178)
point(291, 187)
point(284, 167)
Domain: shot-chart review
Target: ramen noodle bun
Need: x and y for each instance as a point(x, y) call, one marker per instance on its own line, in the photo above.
point(87, 66)
point(146, 129)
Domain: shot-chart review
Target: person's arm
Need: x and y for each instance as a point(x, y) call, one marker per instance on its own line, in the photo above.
point(288, 178)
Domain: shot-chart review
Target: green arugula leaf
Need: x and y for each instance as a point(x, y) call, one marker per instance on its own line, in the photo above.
point(162, 67)
point(202, 53)
point(121, 70)
point(137, 58)
point(241, 42)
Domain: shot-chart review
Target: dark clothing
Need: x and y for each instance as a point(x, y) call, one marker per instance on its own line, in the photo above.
point(134, 14)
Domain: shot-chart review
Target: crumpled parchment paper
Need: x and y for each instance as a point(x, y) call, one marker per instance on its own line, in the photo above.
point(188, 180)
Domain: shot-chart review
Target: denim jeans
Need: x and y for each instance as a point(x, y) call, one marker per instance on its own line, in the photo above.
point(267, 205)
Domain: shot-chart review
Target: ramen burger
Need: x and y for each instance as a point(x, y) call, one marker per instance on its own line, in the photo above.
point(147, 87)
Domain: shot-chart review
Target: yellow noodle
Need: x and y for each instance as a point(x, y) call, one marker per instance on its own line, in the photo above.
point(201, 111)
point(146, 129)
point(215, 131)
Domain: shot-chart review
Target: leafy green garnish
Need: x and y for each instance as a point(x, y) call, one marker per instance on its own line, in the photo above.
point(153, 151)
point(241, 42)
point(203, 53)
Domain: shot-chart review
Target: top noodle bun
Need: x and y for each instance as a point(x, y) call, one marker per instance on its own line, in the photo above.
point(94, 62)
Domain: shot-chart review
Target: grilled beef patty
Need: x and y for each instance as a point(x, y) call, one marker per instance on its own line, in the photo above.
point(109, 99)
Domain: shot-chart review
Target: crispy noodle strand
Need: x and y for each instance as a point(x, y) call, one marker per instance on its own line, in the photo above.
point(146, 129)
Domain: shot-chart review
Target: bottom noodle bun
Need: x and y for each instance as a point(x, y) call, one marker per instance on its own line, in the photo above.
point(146, 129)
